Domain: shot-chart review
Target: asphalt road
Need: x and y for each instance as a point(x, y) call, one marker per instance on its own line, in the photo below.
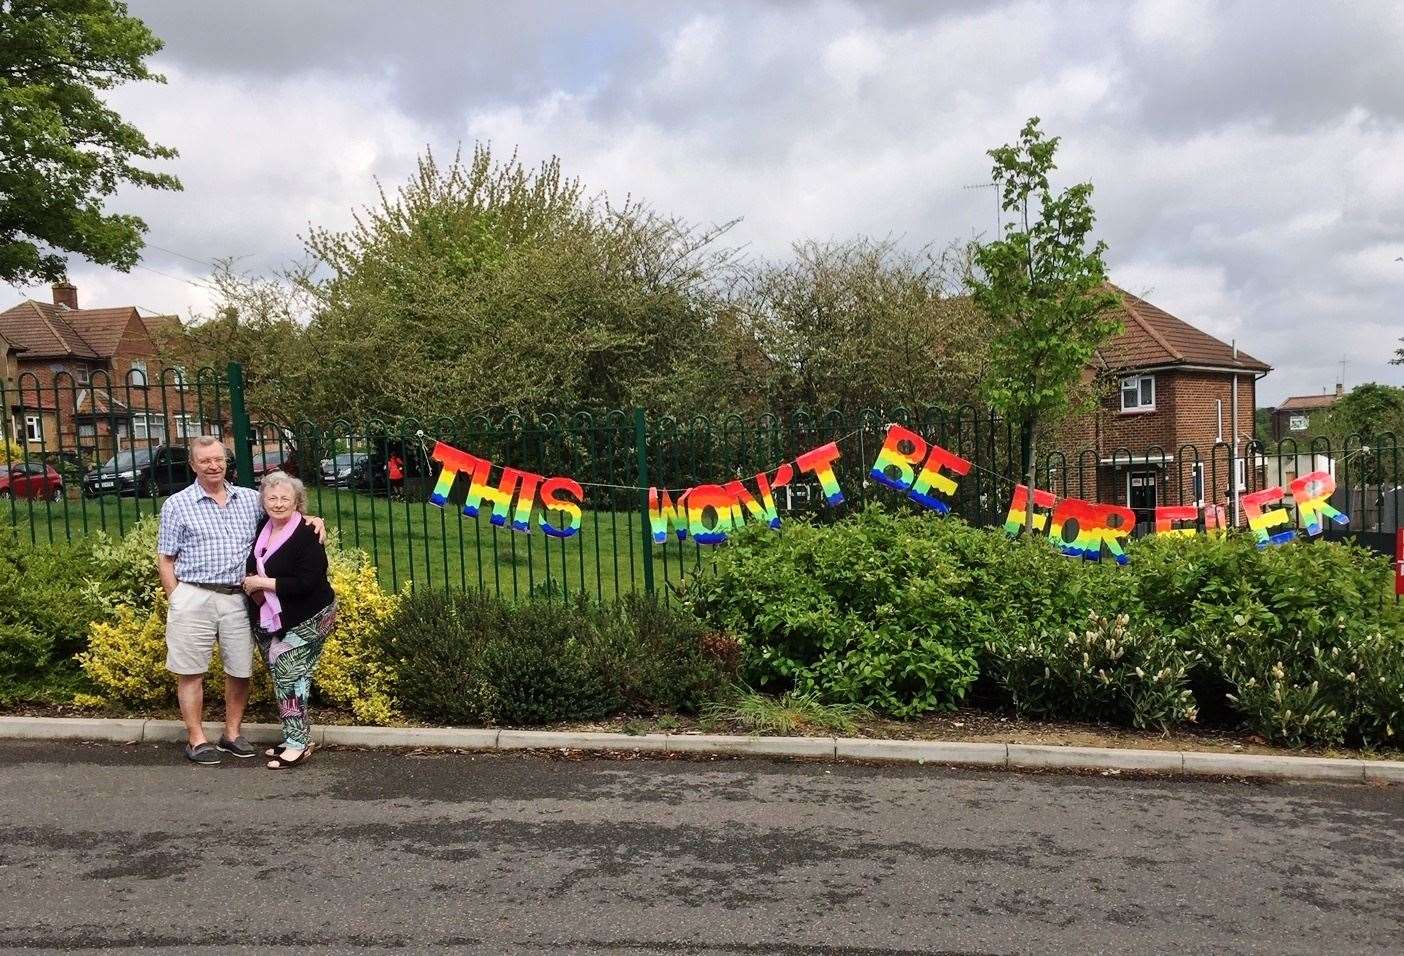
point(105, 847)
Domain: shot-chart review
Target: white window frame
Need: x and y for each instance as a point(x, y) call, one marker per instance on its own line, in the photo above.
point(138, 367)
point(81, 375)
point(1139, 384)
point(178, 378)
point(142, 430)
point(187, 426)
point(34, 429)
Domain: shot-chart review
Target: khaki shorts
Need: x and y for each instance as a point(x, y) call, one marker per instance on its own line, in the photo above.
point(197, 618)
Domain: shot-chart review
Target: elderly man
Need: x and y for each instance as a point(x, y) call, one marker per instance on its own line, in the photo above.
point(206, 534)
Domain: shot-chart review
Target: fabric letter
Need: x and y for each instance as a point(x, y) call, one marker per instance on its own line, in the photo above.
point(1312, 493)
point(893, 457)
point(1019, 505)
point(663, 514)
point(453, 461)
point(569, 509)
point(1262, 522)
point(719, 501)
point(1167, 516)
point(933, 477)
point(820, 461)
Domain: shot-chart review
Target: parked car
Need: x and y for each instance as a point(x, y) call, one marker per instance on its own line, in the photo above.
point(34, 480)
point(341, 471)
point(144, 472)
point(276, 460)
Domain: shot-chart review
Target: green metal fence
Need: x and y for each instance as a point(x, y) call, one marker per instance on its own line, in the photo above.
point(100, 456)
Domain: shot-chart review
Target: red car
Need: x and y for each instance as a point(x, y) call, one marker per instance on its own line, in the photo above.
point(33, 480)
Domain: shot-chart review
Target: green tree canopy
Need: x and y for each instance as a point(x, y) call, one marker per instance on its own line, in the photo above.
point(1044, 288)
point(63, 151)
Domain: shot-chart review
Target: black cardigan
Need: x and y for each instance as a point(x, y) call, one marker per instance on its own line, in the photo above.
point(299, 569)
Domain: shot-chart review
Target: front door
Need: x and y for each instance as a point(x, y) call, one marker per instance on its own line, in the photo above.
point(1141, 498)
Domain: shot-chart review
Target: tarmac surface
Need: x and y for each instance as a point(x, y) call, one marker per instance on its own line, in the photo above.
point(106, 847)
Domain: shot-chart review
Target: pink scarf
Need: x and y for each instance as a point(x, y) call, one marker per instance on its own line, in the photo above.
point(270, 610)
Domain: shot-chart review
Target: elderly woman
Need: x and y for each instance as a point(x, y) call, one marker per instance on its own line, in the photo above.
point(292, 608)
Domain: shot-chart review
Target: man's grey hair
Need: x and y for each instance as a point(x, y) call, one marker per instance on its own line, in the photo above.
point(203, 441)
point(275, 478)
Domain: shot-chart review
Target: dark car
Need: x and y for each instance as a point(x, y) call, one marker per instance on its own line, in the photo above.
point(342, 471)
point(145, 472)
point(275, 460)
point(34, 480)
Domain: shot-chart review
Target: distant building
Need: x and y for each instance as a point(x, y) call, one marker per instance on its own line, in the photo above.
point(88, 380)
point(1298, 415)
point(1174, 428)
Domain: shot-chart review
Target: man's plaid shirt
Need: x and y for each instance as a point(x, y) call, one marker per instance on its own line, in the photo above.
point(210, 544)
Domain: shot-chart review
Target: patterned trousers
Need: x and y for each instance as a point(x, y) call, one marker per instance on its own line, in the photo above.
point(292, 656)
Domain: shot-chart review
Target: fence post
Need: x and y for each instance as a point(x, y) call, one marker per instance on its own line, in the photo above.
point(641, 449)
point(239, 416)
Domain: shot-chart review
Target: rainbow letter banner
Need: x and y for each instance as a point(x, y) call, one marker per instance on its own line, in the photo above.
point(906, 463)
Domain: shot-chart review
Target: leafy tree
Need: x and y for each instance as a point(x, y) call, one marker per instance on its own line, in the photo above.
point(483, 285)
point(1367, 426)
point(1044, 289)
point(1398, 354)
point(62, 150)
point(861, 324)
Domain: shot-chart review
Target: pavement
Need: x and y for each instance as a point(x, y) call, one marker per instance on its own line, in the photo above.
point(110, 846)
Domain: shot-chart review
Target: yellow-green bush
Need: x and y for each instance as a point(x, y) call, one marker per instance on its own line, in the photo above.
point(126, 656)
point(352, 671)
point(126, 659)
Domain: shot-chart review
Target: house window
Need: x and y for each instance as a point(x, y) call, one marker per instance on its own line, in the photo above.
point(80, 375)
point(148, 427)
point(33, 428)
point(137, 376)
point(1298, 423)
point(87, 430)
point(187, 426)
point(1138, 393)
point(178, 376)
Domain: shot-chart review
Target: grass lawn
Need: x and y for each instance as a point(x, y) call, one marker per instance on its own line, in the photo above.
point(413, 541)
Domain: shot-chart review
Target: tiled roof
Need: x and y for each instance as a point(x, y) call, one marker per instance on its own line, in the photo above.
point(46, 330)
point(1151, 336)
point(1299, 402)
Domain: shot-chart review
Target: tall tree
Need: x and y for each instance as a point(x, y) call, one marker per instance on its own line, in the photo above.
point(63, 151)
point(1044, 287)
point(1398, 354)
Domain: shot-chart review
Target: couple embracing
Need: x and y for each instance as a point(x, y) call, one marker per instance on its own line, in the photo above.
point(243, 567)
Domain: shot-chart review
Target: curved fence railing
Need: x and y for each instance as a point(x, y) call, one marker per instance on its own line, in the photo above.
point(99, 455)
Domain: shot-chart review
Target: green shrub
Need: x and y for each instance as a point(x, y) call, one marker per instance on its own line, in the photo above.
point(470, 657)
point(1109, 672)
point(881, 610)
point(44, 607)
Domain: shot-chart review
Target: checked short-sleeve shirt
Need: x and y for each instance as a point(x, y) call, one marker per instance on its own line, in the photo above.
point(210, 543)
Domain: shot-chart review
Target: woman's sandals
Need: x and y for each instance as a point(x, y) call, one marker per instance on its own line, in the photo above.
point(282, 762)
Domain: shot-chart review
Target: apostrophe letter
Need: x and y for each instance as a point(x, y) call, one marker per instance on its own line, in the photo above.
point(1167, 516)
point(1262, 522)
point(820, 462)
point(892, 456)
point(663, 514)
point(933, 477)
point(551, 500)
point(453, 461)
point(1017, 517)
point(1311, 493)
point(719, 501)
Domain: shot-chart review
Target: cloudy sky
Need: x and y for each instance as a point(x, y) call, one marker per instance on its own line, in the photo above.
point(1248, 163)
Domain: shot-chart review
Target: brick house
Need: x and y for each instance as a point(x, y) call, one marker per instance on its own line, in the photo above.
point(1173, 420)
point(1296, 415)
point(88, 380)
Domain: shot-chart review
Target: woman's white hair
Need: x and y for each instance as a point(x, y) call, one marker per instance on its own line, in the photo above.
point(275, 478)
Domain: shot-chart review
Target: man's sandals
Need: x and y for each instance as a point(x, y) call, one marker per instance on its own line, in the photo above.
point(280, 762)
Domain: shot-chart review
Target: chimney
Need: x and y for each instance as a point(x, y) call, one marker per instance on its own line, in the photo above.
point(66, 295)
